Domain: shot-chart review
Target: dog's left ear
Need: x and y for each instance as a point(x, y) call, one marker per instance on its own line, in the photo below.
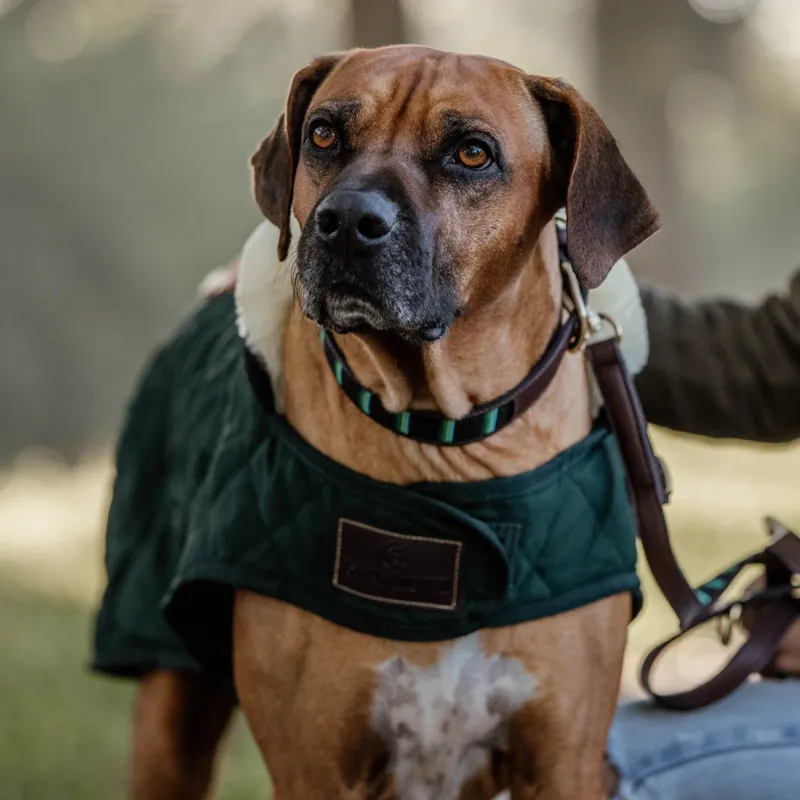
point(608, 211)
point(275, 163)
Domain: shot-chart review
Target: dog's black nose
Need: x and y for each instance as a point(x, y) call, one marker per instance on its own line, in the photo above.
point(355, 219)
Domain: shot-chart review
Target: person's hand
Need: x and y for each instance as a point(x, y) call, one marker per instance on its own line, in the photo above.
point(787, 656)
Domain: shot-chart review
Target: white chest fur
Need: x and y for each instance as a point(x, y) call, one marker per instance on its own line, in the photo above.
point(442, 722)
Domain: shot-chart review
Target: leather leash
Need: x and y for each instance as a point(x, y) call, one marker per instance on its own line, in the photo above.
point(776, 607)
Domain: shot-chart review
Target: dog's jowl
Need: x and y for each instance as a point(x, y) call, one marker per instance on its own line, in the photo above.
point(370, 493)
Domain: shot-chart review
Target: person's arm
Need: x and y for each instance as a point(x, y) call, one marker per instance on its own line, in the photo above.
point(722, 369)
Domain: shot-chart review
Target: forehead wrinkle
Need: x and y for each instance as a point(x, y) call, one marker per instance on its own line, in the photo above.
point(415, 91)
point(436, 94)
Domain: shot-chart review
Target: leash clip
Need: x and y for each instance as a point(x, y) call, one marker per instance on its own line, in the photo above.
point(575, 304)
point(726, 623)
point(590, 321)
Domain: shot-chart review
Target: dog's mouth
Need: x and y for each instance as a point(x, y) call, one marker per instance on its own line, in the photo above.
point(348, 308)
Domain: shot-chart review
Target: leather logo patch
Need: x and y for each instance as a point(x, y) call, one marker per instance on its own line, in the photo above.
point(397, 568)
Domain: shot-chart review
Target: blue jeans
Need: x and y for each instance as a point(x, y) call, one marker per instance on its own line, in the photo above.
point(746, 747)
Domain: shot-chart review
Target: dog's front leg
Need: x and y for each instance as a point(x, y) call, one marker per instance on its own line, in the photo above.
point(305, 688)
point(557, 741)
point(179, 720)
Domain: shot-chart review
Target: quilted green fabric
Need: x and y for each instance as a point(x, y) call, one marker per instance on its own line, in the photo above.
point(213, 493)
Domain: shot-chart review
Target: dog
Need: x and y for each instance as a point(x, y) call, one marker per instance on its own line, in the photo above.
point(424, 186)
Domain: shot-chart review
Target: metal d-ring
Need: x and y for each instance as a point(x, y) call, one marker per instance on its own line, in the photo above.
point(616, 327)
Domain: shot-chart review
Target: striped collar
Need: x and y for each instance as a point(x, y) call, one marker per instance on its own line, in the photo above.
point(432, 427)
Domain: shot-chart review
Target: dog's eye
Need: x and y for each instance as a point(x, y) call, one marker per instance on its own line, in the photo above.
point(473, 155)
point(323, 137)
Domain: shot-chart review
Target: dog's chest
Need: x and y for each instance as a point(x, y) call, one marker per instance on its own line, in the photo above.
point(441, 723)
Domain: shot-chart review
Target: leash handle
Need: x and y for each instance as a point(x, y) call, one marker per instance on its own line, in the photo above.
point(753, 656)
point(775, 610)
point(649, 489)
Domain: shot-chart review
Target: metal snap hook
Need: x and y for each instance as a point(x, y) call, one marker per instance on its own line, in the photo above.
point(727, 621)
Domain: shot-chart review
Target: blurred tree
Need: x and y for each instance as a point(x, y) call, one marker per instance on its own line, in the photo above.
point(711, 141)
point(671, 39)
point(107, 218)
point(376, 23)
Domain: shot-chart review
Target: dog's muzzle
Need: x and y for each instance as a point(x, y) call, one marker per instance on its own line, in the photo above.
point(363, 264)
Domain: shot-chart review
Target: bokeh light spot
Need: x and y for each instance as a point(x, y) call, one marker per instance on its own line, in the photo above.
point(58, 30)
point(723, 11)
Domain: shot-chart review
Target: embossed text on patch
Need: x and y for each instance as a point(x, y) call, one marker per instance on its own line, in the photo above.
point(397, 568)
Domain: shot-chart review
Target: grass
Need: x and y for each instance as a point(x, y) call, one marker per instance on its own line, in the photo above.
point(64, 733)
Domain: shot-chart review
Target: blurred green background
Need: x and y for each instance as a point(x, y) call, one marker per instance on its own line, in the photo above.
point(125, 133)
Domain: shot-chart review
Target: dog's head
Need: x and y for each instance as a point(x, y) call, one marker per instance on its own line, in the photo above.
point(422, 180)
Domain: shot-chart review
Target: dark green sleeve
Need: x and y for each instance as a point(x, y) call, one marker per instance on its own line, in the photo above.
point(722, 369)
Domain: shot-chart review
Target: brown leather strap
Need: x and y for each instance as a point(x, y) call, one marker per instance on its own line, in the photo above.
point(645, 475)
point(786, 547)
point(648, 487)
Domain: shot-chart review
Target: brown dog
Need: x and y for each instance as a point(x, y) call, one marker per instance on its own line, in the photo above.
point(442, 173)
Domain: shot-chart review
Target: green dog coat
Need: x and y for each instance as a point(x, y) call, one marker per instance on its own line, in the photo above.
point(215, 492)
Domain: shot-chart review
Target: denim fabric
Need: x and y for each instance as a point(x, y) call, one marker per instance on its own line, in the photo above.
point(746, 747)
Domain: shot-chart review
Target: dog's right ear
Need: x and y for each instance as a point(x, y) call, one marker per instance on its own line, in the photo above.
point(275, 163)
